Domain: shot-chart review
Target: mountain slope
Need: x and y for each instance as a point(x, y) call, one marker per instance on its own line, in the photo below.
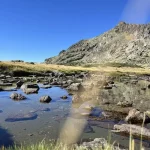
point(126, 43)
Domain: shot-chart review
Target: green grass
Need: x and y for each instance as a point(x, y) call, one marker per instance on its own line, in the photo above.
point(53, 146)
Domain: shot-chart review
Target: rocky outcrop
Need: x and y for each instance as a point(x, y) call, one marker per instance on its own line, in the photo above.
point(126, 43)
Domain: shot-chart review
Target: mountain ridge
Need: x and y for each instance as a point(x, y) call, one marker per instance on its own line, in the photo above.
point(125, 43)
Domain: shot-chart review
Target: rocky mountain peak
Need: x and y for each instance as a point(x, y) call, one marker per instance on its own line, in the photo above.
point(125, 43)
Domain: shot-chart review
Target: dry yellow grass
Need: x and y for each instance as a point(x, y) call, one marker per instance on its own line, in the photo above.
point(47, 67)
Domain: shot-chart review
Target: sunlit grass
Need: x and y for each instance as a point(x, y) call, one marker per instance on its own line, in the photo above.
point(54, 146)
point(21, 66)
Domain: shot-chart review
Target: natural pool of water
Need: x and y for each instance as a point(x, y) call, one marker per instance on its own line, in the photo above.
point(45, 126)
point(48, 124)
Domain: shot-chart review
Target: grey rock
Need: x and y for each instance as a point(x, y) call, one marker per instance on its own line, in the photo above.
point(46, 83)
point(45, 99)
point(135, 117)
point(5, 84)
point(2, 76)
point(19, 84)
point(75, 87)
point(46, 87)
point(64, 97)
point(98, 143)
point(17, 97)
point(137, 131)
point(125, 103)
point(69, 82)
point(30, 88)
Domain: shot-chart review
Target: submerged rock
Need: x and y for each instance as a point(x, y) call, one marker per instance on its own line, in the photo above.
point(96, 112)
point(1, 111)
point(17, 97)
point(88, 129)
point(64, 97)
point(45, 109)
point(21, 117)
point(45, 99)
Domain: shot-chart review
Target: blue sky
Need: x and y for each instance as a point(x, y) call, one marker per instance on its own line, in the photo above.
point(33, 30)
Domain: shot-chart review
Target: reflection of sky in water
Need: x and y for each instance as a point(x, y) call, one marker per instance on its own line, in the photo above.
point(46, 124)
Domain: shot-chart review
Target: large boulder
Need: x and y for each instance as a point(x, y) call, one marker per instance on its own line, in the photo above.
point(135, 117)
point(30, 88)
point(45, 99)
point(17, 97)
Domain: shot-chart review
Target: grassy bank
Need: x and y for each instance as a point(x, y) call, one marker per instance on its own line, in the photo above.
point(59, 146)
point(52, 146)
point(25, 68)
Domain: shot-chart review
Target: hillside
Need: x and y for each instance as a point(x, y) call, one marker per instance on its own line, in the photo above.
point(126, 43)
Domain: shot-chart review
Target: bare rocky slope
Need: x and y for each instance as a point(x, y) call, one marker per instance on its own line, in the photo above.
point(126, 43)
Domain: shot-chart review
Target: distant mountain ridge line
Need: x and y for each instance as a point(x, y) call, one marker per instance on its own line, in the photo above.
point(125, 43)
